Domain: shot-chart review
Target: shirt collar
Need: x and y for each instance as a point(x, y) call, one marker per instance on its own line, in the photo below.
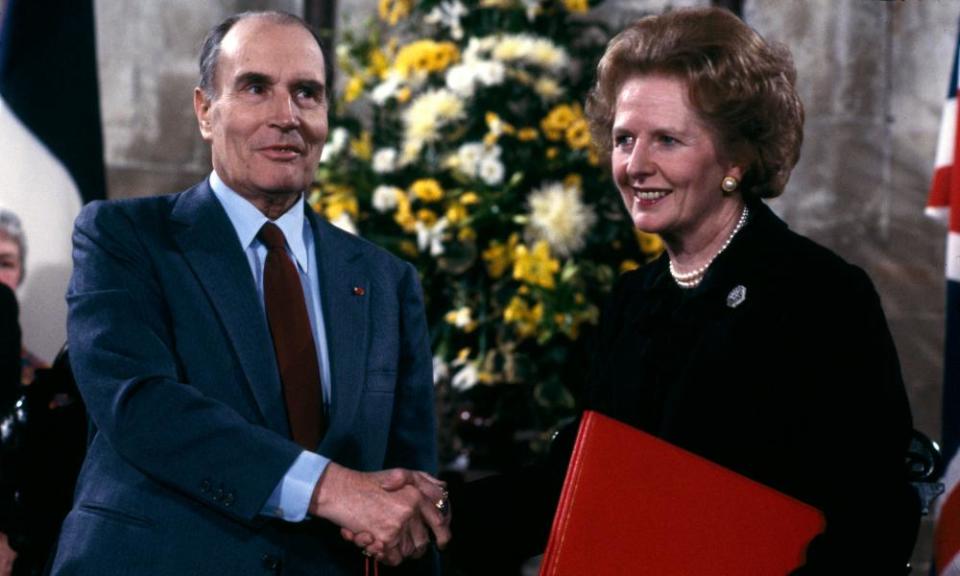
point(247, 220)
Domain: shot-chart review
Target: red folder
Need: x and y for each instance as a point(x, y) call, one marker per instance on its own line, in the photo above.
point(634, 504)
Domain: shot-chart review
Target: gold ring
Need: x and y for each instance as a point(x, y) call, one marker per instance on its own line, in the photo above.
point(443, 504)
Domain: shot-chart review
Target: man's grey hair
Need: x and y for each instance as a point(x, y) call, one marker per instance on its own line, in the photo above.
point(210, 50)
point(12, 229)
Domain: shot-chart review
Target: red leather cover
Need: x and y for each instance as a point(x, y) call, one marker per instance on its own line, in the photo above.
point(634, 504)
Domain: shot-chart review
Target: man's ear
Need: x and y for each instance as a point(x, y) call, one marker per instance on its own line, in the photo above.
point(201, 106)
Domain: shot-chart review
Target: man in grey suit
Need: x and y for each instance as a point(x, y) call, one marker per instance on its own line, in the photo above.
point(240, 426)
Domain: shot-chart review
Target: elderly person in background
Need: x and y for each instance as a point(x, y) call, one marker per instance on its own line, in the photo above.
point(13, 254)
point(745, 342)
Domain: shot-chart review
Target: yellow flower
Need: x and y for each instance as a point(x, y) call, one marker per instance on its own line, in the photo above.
point(425, 56)
point(427, 189)
point(362, 147)
point(403, 95)
point(576, 5)
point(456, 213)
point(466, 234)
point(469, 199)
point(497, 127)
point(527, 134)
point(525, 319)
point(354, 88)
point(499, 256)
point(535, 267)
point(408, 249)
point(573, 181)
point(392, 11)
point(552, 152)
point(379, 64)
point(428, 217)
point(556, 122)
point(628, 265)
point(650, 244)
point(578, 134)
point(404, 215)
point(547, 88)
point(337, 205)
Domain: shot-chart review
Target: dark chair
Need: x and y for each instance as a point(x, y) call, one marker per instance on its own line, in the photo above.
point(924, 467)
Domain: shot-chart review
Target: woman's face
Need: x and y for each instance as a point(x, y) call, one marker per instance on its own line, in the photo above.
point(10, 268)
point(666, 165)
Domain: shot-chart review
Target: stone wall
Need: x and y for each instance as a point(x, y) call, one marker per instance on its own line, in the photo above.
point(872, 75)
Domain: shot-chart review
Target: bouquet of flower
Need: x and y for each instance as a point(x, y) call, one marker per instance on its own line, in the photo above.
point(459, 142)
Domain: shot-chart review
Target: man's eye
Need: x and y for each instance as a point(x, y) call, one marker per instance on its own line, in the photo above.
point(255, 89)
point(623, 141)
point(668, 140)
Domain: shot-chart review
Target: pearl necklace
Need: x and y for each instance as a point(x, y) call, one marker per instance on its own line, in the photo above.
point(692, 279)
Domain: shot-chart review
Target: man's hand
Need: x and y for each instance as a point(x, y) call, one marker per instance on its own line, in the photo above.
point(434, 508)
point(360, 502)
point(7, 556)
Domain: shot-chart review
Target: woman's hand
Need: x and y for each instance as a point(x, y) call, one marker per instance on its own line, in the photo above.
point(7, 556)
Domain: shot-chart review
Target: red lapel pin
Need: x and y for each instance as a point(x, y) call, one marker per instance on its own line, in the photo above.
point(358, 291)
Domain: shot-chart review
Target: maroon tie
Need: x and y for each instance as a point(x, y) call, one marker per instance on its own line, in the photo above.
point(292, 340)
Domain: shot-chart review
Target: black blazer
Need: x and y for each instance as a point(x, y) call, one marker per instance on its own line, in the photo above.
point(9, 347)
point(795, 383)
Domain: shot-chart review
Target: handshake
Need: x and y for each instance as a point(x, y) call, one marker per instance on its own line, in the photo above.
point(391, 515)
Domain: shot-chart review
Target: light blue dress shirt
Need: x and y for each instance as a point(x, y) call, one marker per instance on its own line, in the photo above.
point(291, 498)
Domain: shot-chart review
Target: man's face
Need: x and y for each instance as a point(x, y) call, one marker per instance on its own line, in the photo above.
point(267, 122)
point(11, 267)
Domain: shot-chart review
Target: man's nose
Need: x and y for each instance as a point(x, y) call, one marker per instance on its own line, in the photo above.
point(285, 113)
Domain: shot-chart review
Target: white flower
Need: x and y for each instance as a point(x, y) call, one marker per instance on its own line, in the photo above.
point(461, 80)
point(491, 170)
point(427, 114)
point(385, 198)
point(386, 89)
point(465, 378)
point(335, 144)
point(469, 156)
point(431, 237)
point(441, 370)
point(448, 14)
point(345, 223)
point(559, 216)
point(385, 160)
point(462, 317)
point(490, 73)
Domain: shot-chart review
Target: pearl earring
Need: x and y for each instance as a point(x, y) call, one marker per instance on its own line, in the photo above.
point(729, 184)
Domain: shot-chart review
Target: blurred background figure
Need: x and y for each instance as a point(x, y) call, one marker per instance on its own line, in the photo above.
point(42, 427)
point(13, 253)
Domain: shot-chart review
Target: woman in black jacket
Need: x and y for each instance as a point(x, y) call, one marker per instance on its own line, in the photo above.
point(744, 343)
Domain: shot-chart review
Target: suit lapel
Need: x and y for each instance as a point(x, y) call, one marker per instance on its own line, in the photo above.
point(209, 244)
point(345, 296)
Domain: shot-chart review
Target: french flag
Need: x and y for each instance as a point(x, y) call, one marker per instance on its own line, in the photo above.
point(51, 151)
point(944, 204)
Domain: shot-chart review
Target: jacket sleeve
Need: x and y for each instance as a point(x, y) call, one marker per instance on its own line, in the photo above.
point(122, 352)
point(855, 435)
point(413, 432)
